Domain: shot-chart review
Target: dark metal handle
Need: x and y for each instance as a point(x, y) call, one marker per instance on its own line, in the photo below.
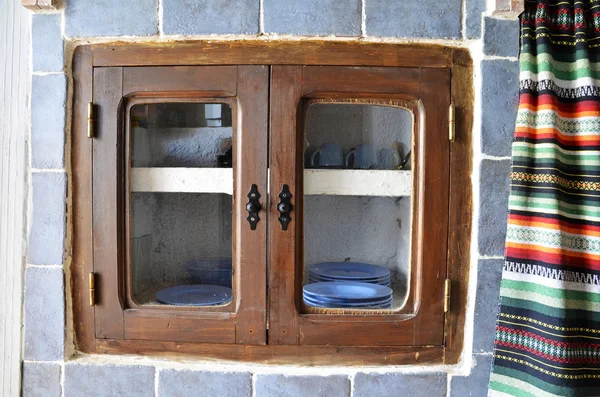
point(285, 207)
point(253, 207)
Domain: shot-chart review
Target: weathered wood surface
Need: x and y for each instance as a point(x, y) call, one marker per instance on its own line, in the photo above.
point(14, 89)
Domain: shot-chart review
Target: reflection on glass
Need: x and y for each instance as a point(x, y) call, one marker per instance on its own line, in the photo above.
point(357, 233)
point(181, 242)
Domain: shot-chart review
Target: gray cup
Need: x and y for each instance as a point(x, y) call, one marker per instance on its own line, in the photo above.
point(329, 156)
point(364, 157)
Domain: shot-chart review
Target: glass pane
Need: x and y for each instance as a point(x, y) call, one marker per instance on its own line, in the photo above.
point(181, 204)
point(357, 206)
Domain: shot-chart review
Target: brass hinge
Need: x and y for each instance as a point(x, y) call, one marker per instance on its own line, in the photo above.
point(90, 119)
point(447, 291)
point(451, 123)
point(92, 289)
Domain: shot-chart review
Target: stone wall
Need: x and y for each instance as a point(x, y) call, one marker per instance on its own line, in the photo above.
point(50, 368)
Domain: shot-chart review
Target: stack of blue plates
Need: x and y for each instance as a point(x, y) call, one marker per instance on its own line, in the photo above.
point(348, 294)
point(349, 271)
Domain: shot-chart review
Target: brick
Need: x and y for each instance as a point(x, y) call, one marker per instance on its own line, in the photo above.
point(210, 16)
point(301, 386)
point(175, 383)
point(474, 10)
point(48, 113)
point(47, 235)
point(501, 37)
point(376, 385)
point(493, 206)
point(41, 380)
point(476, 384)
point(108, 380)
point(499, 102)
point(313, 17)
point(47, 43)
point(44, 314)
point(489, 276)
point(87, 18)
point(393, 18)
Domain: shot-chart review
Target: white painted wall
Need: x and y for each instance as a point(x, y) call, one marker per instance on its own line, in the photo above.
point(15, 27)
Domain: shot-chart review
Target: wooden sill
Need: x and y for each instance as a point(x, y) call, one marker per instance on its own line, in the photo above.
point(40, 5)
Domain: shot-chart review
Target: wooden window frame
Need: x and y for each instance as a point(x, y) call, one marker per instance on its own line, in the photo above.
point(261, 52)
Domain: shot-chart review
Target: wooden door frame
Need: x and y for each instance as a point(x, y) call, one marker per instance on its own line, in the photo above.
point(426, 94)
point(117, 315)
point(278, 52)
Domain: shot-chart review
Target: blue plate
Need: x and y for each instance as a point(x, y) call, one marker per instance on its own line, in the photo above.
point(384, 305)
point(333, 303)
point(194, 295)
point(320, 280)
point(349, 270)
point(362, 280)
point(346, 300)
point(347, 290)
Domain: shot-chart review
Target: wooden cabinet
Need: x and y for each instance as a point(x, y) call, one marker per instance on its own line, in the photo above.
point(274, 163)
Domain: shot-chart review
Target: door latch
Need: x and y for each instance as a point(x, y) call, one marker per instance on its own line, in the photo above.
point(253, 207)
point(285, 207)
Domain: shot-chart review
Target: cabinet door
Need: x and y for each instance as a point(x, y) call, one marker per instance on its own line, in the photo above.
point(177, 153)
point(364, 154)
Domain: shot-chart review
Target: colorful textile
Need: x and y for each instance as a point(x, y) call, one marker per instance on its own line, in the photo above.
point(548, 332)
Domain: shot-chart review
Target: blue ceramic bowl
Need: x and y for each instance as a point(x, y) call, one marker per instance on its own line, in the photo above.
point(211, 271)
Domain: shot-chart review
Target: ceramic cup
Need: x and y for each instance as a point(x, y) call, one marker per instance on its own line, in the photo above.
point(364, 157)
point(329, 156)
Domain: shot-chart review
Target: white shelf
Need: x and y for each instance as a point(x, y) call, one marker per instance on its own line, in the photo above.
point(316, 182)
point(185, 180)
point(357, 182)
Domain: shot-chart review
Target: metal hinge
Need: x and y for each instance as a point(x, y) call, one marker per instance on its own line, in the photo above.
point(447, 291)
point(92, 289)
point(90, 119)
point(451, 123)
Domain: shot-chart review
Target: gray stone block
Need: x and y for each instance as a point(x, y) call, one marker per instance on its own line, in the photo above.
point(474, 10)
point(313, 17)
point(476, 384)
point(41, 380)
point(414, 18)
point(499, 103)
point(48, 109)
point(174, 383)
point(44, 314)
point(86, 18)
point(47, 235)
point(46, 43)
point(493, 206)
point(501, 37)
point(210, 16)
point(109, 380)
point(489, 276)
point(417, 385)
point(301, 386)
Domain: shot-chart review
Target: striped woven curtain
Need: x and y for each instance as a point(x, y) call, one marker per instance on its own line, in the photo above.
point(548, 331)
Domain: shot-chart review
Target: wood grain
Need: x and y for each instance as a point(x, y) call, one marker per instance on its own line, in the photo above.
point(372, 80)
point(278, 354)
point(435, 94)
point(81, 175)
point(250, 153)
point(107, 171)
point(272, 52)
point(461, 204)
point(220, 79)
point(180, 326)
point(286, 92)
